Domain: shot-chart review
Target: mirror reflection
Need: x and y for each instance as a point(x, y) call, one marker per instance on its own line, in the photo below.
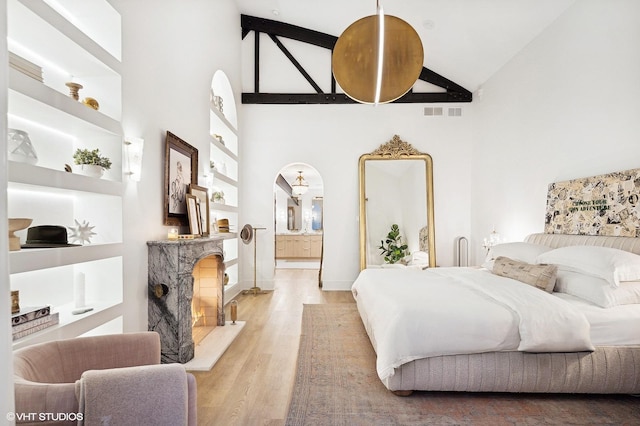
point(396, 207)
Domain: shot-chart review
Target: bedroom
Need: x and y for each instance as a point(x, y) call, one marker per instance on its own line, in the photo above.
point(565, 106)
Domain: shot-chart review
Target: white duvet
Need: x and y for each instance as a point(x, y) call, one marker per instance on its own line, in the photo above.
point(411, 314)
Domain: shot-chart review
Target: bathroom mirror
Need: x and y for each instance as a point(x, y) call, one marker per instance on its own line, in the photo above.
point(396, 187)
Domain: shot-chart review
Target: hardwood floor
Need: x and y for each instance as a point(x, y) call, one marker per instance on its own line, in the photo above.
point(251, 383)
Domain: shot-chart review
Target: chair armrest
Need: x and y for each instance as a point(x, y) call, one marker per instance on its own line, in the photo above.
point(193, 399)
point(156, 393)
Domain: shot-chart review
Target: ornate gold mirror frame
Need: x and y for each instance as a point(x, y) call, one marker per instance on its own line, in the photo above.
point(399, 151)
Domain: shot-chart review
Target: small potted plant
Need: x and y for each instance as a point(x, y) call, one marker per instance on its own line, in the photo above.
point(218, 197)
point(90, 162)
point(394, 250)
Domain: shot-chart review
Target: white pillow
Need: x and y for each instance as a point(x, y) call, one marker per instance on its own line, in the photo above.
point(597, 290)
point(524, 252)
point(608, 263)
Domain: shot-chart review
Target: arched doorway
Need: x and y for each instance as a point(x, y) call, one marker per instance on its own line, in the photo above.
point(298, 217)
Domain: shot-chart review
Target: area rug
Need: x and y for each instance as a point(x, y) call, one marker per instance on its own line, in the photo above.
point(336, 384)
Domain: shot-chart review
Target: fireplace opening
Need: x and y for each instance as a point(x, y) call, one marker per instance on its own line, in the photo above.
point(206, 303)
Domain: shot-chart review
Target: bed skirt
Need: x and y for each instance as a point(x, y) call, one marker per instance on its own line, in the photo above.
point(608, 369)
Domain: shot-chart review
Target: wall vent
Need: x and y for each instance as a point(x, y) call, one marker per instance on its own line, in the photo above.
point(433, 111)
point(455, 112)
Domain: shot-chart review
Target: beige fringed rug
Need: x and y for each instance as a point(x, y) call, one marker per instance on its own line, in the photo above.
point(336, 384)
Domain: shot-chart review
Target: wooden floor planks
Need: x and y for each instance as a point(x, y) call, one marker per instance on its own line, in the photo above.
point(251, 383)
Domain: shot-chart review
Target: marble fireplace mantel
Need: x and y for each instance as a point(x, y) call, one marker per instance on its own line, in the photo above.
point(170, 292)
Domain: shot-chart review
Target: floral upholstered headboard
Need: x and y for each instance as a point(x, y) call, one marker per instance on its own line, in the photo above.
point(598, 205)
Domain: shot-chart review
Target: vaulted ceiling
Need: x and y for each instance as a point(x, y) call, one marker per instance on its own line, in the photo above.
point(466, 41)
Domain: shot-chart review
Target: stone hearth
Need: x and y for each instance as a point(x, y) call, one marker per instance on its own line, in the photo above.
point(170, 290)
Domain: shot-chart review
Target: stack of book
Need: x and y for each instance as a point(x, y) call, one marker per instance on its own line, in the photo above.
point(30, 320)
point(223, 225)
point(25, 66)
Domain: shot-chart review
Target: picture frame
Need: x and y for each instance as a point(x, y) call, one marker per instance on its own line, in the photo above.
point(202, 194)
point(180, 171)
point(193, 214)
point(199, 217)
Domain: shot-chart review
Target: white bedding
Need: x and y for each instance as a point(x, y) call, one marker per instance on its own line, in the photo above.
point(411, 314)
point(615, 326)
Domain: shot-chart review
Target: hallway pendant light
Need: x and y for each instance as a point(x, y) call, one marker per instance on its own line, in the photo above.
point(378, 58)
point(300, 186)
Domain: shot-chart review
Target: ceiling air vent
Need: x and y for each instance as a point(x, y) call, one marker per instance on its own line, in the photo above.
point(455, 112)
point(432, 111)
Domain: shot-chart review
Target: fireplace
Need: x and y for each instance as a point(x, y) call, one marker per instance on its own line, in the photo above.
point(186, 293)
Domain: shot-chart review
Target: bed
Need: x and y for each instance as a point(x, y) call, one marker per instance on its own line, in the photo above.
point(474, 330)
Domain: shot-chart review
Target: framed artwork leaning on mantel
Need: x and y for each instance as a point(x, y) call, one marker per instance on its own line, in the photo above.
point(202, 194)
point(180, 171)
point(193, 213)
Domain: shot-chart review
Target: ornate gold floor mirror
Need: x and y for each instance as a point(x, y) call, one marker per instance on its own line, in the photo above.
point(396, 187)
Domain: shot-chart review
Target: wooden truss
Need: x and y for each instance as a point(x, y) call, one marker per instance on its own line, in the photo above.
point(275, 29)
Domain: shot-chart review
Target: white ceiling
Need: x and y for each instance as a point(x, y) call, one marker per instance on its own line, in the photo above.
point(466, 41)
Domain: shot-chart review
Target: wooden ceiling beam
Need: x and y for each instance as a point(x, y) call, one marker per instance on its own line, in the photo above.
point(453, 92)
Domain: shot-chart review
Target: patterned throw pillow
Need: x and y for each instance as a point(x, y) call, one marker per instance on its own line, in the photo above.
point(539, 276)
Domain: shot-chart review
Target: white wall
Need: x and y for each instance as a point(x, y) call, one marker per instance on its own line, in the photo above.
point(171, 49)
point(566, 107)
point(331, 139)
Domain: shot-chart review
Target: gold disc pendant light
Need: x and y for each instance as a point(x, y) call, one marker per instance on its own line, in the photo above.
point(378, 58)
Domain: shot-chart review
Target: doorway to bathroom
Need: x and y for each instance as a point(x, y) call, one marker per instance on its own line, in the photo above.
point(298, 217)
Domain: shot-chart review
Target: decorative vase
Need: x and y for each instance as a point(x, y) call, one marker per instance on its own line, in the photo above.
point(74, 88)
point(91, 103)
point(20, 147)
point(90, 170)
point(15, 301)
point(16, 224)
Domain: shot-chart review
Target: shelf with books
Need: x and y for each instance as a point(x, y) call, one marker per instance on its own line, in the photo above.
point(72, 325)
point(94, 284)
point(41, 34)
point(50, 46)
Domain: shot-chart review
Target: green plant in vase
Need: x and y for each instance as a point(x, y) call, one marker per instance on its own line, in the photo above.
point(392, 248)
point(90, 162)
point(93, 157)
point(218, 197)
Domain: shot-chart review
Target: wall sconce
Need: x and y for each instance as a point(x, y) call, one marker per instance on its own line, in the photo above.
point(493, 239)
point(133, 152)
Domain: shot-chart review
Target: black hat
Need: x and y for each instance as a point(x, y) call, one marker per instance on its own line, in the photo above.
point(47, 236)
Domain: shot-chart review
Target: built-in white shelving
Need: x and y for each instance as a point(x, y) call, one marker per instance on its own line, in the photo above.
point(70, 43)
point(38, 259)
point(224, 154)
